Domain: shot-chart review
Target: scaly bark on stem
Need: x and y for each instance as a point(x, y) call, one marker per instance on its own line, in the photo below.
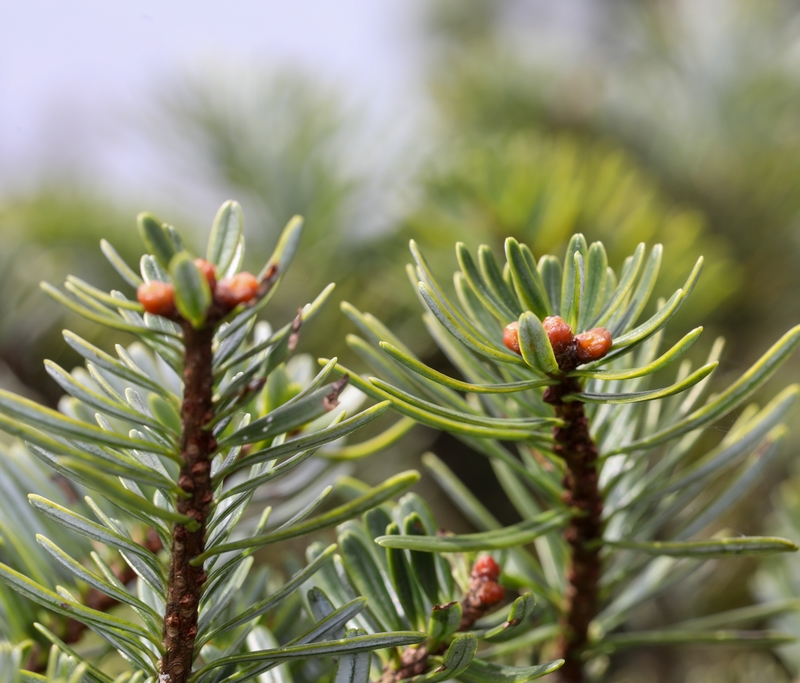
point(197, 444)
point(575, 445)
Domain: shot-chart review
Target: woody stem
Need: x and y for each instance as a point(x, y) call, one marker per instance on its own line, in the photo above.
point(188, 541)
point(581, 492)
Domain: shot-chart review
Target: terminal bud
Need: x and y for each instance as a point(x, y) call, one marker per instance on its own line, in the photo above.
point(158, 298)
point(209, 271)
point(235, 290)
point(592, 344)
point(511, 336)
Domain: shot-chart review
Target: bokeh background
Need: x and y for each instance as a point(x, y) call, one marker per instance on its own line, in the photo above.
point(440, 120)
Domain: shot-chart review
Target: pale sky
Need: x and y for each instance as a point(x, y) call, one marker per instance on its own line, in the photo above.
point(71, 72)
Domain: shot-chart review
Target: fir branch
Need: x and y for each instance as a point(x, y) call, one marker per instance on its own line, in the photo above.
point(122, 429)
point(525, 384)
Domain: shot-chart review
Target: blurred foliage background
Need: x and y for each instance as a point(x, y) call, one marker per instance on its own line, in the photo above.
point(659, 120)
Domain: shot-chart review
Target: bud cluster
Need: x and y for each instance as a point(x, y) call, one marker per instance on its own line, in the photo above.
point(158, 298)
point(485, 572)
point(570, 350)
point(484, 592)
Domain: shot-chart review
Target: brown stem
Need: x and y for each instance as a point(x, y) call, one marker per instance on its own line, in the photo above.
point(197, 445)
point(574, 444)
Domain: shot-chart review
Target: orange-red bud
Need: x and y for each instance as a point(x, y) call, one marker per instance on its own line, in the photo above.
point(157, 298)
point(511, 336)
point(490, 593)
point(485, 566)
point(592, 344)
point(209, 270)
point(239, 289)
point(559, 334)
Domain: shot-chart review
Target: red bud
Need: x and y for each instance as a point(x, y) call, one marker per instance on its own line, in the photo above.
point(239, 289)
point(157, 298)
point(559, 334)
point(490, 593)
point(209, 270)
point(592, 344)
point(486, 566)
point(511, 336)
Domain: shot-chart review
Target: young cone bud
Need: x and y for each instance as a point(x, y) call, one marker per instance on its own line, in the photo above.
point(208, 270)
point(158, 298)
point(485, 566)
point(490, 593)
point(559, 334)
point(592, 344)
point(511, 336)
point(239, 289)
